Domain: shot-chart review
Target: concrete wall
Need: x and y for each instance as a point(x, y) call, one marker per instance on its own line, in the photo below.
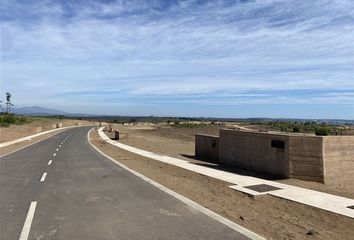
point(338, 155)
point(116, 134)
point(325, 159)
point(254, 151)
point(207, 147)
point(109, 127)
point(328, 159)
point(306, 158)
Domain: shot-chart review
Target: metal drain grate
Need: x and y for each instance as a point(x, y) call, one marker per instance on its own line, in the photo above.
point(262, 188)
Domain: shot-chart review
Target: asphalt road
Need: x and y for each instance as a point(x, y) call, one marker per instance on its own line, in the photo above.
point(83, 195)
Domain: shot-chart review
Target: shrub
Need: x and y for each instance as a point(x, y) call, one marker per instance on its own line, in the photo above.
point(296, 129)
point(322, 131)
point(7, 119)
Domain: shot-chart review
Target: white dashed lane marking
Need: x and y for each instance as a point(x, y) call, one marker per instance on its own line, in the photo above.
point(28, 222)
point(43, 176)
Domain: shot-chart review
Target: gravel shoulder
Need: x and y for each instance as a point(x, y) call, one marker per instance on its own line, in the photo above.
point(269, 216)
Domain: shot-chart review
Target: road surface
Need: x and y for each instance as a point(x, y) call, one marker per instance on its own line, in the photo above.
point(61, 188)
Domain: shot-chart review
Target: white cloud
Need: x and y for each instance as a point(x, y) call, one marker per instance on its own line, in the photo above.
point(182, 50)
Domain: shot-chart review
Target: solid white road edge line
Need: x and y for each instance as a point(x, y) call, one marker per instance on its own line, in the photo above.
point(50, 162)
point(185, 200)
point(28, 222)
point(43, 176)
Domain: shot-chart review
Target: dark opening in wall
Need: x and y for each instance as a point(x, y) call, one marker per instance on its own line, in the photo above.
point(213, 143)
point(278, 144)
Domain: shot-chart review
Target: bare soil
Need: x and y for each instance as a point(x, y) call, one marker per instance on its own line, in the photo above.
point(171, 141)
point(269, 216)
point(179, 143)
point(20, 145)
point(18, 131)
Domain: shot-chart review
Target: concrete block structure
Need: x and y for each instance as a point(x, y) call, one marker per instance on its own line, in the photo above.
point(116, 134)
point(109, 127)
point(338, 152)
point(306, 158)
point(264, 153)
point(325, 159)
point(207, 147)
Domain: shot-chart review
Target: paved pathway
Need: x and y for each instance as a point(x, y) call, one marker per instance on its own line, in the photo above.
point(252, 185)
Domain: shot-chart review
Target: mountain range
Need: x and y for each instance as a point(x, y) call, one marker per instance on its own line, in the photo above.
point(37, 111)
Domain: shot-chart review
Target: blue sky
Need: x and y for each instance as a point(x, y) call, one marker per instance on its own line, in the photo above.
point(260, 58)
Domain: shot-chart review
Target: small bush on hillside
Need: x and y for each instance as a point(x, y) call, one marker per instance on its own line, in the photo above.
point(7, 119)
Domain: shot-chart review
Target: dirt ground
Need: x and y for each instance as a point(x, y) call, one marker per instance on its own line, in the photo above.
point(20, 145)
point(269, 216)
point(171, 141)
point(18, 131)
point(179, 143)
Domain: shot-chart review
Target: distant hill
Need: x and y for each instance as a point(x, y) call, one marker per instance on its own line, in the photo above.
point(37, 111)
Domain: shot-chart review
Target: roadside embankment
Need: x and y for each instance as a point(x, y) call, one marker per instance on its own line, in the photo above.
point(36, 125)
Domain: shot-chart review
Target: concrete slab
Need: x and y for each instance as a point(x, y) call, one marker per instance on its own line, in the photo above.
point(262, 188)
